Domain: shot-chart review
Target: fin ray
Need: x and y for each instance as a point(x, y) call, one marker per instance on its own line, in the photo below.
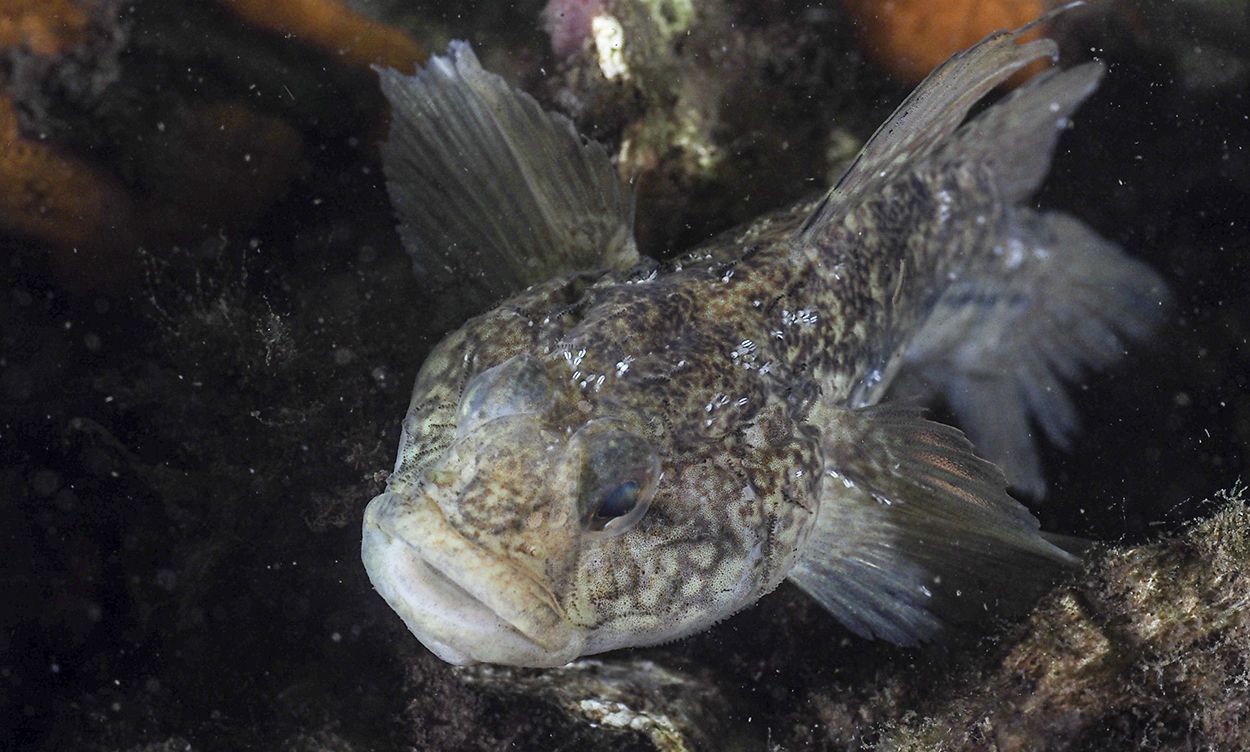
point(920, 533)
point(492, 192)
point(932, 112)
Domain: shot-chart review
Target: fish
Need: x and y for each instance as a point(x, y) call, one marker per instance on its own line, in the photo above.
point(619, 451)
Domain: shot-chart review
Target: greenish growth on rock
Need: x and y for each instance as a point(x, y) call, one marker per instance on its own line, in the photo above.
point(671, 17)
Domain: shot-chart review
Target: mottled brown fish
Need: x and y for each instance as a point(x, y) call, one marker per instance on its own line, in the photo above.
point(625, 451)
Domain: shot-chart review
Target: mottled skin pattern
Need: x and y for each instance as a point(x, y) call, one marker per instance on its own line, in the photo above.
point(723, 361)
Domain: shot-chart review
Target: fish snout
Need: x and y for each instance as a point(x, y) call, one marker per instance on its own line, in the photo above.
point(465, 602)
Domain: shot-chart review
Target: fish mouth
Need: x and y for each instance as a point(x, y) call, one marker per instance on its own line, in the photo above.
point(463, 603)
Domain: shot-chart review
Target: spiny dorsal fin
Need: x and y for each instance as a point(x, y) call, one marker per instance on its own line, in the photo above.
point(932, 112)
point(491, 191)
point(914, 531)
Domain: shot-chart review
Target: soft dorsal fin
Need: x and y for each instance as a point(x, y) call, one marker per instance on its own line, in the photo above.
point(933, 111)
point(492, 192)
point(1001, 342)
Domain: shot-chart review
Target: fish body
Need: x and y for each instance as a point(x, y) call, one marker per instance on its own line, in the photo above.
point(625, 451)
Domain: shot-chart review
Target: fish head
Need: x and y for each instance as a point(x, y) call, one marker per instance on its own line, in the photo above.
point(543, 526)
point(477, 551)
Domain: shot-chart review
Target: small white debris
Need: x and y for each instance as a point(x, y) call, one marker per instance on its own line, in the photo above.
point(609, 38)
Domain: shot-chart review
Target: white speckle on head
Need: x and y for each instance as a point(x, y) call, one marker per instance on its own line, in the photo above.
point(944, 206)
point(1015, 253)
point(802, 317)
point(574, 359)
point(720, 400)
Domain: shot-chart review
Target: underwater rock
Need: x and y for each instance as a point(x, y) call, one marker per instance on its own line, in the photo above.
point(1148, 649)
point(670, 708)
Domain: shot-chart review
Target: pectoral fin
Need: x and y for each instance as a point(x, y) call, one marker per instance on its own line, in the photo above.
point(915, 532)
point(492, 193)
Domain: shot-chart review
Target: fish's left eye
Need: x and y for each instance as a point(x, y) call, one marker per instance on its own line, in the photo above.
point(618, 502)
point(619, 475)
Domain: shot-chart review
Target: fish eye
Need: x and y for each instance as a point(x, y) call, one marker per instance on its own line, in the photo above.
point(619, 502)
point(619, 475)
point(517, 386)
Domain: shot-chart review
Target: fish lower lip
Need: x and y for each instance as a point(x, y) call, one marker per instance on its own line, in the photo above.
point(500, 615)
point(447, 581)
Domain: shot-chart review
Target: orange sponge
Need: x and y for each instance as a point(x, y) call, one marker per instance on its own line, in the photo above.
point(49, 195)
point(209, 163)
point(909, 38)
point(333, 26)
point(45, 26)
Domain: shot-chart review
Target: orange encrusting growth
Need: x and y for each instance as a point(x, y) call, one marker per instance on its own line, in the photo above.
point(243, 160)
point(211, 164)
point(58, 198)
point(909, 38)
point(61, 199)
point(46, 27)
point(333, 26)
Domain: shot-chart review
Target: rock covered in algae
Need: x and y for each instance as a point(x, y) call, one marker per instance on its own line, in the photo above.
point(1149, 649)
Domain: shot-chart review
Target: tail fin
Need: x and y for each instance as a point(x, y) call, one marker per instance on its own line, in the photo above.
point(1054, 301)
